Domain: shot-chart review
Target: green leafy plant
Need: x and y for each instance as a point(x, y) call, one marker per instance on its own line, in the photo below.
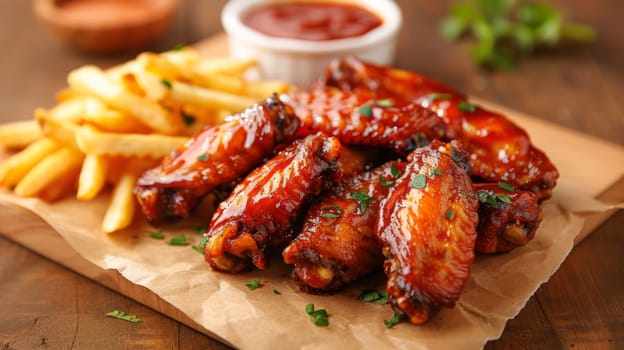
point(507, 29)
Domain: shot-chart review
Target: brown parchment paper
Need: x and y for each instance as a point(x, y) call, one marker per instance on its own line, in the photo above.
point(497, 290)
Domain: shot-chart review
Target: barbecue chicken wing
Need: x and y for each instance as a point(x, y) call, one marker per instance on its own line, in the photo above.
point(427, 230)
point(508, 218)
point(261, 210)
point(337, 243)
point(499, 149)
point(362, 119)
point(215, 156)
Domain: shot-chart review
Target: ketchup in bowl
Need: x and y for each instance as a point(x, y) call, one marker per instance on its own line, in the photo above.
point(312, 21)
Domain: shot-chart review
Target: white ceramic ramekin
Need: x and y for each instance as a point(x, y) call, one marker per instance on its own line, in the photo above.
point(301, 61)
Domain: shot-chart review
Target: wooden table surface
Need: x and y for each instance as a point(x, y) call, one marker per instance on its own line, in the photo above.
point(44, 305)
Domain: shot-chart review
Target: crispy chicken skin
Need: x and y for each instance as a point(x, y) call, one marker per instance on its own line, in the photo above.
point(499, 149)
point(337, 243)
point(362, 119)
point(427, 231)
point(261, 210)
point(215, 156)
point(508, 223)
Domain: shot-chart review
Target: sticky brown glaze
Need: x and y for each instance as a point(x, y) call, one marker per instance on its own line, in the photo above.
point(427, 230)
point(362, 119)
point(337, 244)
point(261, 210)
point(499, 149)
point(215, 156)
point(353, 161)
point(508, 223)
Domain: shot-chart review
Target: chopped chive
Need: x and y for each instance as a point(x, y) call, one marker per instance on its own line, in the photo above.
point(178, 47)
point(155, 234)
point(506, 186)
point(200, 229)
point(178, 241)
point(503, 198)
point(419, 181)
point(204, 240)
point(199, 249)
point(362, 198)
point(385, 103)
point(319, 316)
point(188, 119)
point(275, 291)
point(203, 157)
point(123, 316)
point(166, 83)
point(438, 96)
point(253, 284)
point(384, 182)
point(396, 319)
point(374, 296)
point(331, 212)
point(395, 171)
point(450, 214)
point(435, 171)
point(466, 107)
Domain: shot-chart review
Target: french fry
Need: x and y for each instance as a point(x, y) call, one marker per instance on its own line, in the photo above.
point(91, 141)
point(19, 164)
point(106, 119)
point(92, 176)
point(19, 134)
point(61, 187)
point(121, 210)
point(93, 81)
point(61, 131)
point(71, 110)
point(204, 97)
point(224, 65)
point(238, 86)
point(63, 161)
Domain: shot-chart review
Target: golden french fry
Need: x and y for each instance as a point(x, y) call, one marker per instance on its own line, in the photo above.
point(61, 131)
point(67, 94)
point(19, 134)
point(63, 161)
point(93, 81)
point(19, 164)
point(224, 65)
point(61, 187)
point(151, 84)
point(91, 141)
point(71, 111)
point(238, 86)
point(122, 205)
point(106, 119)
point(92, 176)
point(204, 97)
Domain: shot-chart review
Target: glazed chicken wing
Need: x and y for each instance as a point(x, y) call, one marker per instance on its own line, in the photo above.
point(362, 119)
point(508, 218)
point(337, 243)
point(427, 230)
point(215, 156)
point(261, 210)
point(499, 149)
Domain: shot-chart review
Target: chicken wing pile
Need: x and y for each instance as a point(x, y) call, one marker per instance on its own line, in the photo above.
point(370, 169)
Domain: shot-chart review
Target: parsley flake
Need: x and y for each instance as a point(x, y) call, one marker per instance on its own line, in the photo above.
point(419, 181)
point(366, 111)
point(384, 182)
point(203, 157)
point(438, 96)
point(506, 186)
point(199, 249)
point(253, 284)
point(204, 240)
point(178, 241)
point(374, 296)
point(123, 316)
point(319, 316)
point(396, 319)
point(491, 198)
point(166, 83)
point(450, 214)
point(395, 171)
point(155, 234)
point(362, 198)
point(331, 212)
point(435, 171)
point(275, 291)
point(385, 103)
point(466, 107)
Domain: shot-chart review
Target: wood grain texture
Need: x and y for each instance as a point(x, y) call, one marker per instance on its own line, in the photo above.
point(581, 307)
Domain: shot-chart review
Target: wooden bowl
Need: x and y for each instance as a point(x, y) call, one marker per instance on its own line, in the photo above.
point(106, 26)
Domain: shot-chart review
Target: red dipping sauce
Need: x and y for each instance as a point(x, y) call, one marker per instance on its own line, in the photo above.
point(312, 21)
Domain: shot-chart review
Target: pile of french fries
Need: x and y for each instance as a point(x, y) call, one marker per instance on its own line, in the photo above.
point(111, 125)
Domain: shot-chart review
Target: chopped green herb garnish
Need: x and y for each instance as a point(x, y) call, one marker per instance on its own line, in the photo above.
point(319, 316)
point(155, 234)
point(178, 241)
point(503, 198)
point(491, 198)
point(199, 249)
point(331, 212)
point(384, 182)
point(466, 107)
point(178, 47)
point(506, 186)
point(204, 240)
point(188, 119)
point(385, 103)
point(166, 83)
point(200, 230)
point(253, 284)
point(203, 157)
point(362, 198)
point(435, 171)
point(438, 96)
point(419, 181)
point(450, 214)
point(366, 111)
point(396, 319)
point(275, 291)
point(374, 296)
point(123, 316)
point(395, 171)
